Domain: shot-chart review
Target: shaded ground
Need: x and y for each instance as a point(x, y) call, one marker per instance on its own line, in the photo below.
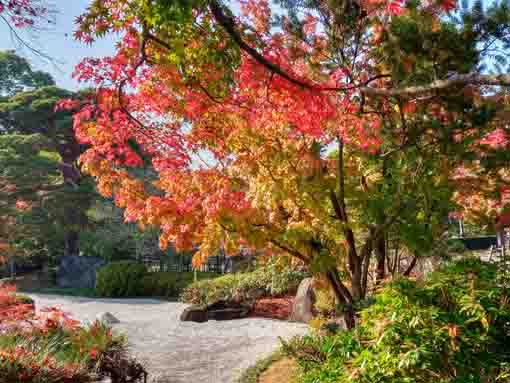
point(282, 371)
point(277, 308)
point(179, 352)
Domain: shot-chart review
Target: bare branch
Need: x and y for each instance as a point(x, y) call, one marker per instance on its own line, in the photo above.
point(459, 80)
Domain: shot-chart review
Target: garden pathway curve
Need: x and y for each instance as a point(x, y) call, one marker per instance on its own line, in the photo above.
point(182, 352)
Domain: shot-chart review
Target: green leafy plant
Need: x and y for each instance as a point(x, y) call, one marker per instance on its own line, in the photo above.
point(263, 282)
point(120, 279)
point(451, 327)
point(170, 284)
point(51, 347)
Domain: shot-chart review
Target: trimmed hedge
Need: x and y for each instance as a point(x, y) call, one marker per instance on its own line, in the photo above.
point(130, 279)
point(120, 279)
point(169, 284)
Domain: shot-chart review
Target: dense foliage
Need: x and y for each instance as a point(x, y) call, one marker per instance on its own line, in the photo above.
point(245, 287)
point(451, 327)
point(120, 279)
point(44, 197)
point(236, 113)
point(51, 347)
point(170, 284)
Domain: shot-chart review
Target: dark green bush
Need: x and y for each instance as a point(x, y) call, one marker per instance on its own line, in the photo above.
point(120, 279)
point(24, 299)
point(263, 282)
point(169, 283)
point(452, 327)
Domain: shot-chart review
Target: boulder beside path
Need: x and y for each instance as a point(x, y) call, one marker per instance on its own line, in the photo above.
point(302, 309)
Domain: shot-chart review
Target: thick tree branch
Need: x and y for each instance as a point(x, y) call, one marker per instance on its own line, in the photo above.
point(459, 80)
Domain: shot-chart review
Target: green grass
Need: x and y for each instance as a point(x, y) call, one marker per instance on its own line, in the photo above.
point(73, 292)
point(252, 374)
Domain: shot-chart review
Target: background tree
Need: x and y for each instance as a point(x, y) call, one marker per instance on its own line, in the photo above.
point(16, 75)
point(32, 112)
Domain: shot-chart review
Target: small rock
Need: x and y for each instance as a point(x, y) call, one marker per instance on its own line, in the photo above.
point(302, 310)
point(194, 314)
point(107, 318)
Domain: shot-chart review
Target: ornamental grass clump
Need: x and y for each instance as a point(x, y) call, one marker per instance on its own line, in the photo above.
point(453, 327)
point(51, 347)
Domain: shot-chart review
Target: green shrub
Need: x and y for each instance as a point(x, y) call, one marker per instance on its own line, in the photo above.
point(265, 281)
point(120, 279)
point(24, 299)
point(452, 327)
point(169, 283)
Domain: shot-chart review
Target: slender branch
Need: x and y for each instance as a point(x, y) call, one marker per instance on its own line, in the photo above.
point(411, 266)
point(228, 23)
point(341, 291)
point(341, 179)
point(336, 205)
point(365, 262)
point(289, 250)
point(23, 42)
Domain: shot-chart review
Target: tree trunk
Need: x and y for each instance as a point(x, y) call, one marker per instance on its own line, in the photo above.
point(69, 151)
point(380, 255)
point(411, 266)
point(72, 243)
point(343, 297)
point(12, 267)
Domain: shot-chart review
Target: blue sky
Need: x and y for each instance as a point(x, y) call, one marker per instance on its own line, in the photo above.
point(60, 44)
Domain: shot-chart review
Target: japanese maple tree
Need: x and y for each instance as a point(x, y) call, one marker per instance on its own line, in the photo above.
point(237, 113)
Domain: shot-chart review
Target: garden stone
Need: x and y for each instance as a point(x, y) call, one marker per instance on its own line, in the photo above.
point(194, 314)
point(107, 318)
point(302, 310)
point(227, 314)
point(78, 271)
point(226, 311)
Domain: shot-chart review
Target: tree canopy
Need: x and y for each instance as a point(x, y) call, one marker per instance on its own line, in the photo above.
point(16, 75)
point(237, 113)
point(45, 195)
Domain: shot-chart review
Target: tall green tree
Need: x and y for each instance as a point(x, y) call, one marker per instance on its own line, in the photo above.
point(32, 112)
point(16, 75)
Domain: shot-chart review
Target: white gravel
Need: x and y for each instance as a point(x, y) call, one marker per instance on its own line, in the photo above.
point(179, 352)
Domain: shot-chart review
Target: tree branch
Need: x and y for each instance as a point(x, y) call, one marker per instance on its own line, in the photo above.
point(459, 80)
point(228, 23)
point(289, 250)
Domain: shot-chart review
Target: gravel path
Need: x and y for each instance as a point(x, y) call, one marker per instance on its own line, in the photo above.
point(182, 352)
